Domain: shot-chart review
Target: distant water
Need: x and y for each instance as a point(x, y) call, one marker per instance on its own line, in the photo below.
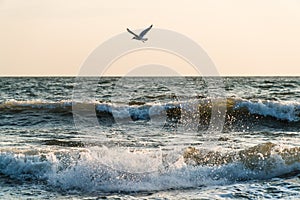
point(137, 149)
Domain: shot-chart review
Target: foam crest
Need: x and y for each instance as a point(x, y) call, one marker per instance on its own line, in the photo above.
point(114, 170)
point(281, 110)
point(35, 104)
point(202, 108)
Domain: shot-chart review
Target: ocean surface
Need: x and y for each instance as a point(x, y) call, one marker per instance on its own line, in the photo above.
point(149, 138)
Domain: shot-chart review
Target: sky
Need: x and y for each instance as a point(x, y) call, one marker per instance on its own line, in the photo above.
point(242, 37)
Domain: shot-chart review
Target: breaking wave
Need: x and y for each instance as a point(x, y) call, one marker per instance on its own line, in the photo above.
point(279, 110)
point(100, 169)
point(289, 111)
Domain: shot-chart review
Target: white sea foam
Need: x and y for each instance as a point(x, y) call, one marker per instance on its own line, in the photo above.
point(107, 170)
point(36, 104)
point(284, 110)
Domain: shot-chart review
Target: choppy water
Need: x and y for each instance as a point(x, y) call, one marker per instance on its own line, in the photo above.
point(138, 147)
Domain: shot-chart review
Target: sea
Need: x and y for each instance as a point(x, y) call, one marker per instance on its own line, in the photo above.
point(149, 137)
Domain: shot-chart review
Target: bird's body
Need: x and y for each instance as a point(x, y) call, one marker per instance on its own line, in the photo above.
point(140, 37)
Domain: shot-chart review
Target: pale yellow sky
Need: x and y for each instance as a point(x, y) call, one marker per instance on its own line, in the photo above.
point(242, 37)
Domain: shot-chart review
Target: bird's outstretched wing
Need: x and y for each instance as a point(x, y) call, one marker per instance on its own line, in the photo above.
point(132, 33)
point(144, 32)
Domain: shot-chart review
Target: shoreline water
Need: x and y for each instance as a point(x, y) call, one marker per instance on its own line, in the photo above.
point(144, 124)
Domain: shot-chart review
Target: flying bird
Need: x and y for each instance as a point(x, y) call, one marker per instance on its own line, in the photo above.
point(141, 35)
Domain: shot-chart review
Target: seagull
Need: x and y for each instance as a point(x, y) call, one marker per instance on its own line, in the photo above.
point(141, 35)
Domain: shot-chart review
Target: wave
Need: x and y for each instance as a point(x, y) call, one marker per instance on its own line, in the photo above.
point(18, 106)
point(121, 170)
point(282, 110)
point(236, 108)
